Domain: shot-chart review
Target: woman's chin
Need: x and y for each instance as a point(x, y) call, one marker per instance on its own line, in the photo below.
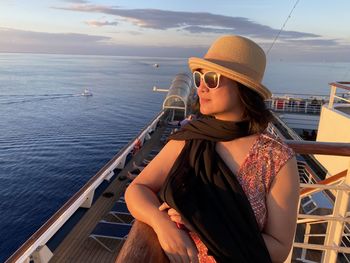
point(205, 111)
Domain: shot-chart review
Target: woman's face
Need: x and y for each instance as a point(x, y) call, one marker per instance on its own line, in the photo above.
point(223, 102)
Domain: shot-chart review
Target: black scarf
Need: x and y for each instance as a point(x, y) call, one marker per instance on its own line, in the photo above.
point(208, 195)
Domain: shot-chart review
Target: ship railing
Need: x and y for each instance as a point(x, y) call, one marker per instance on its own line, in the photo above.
point(306, 175)
point(296, 103)
point(340, 98)
point(326, 229)
point(282, 131)
point(335, 245)
point(35, 247)
point(309, 103)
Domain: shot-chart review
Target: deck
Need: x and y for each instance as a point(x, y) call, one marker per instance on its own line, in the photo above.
point(77, 246)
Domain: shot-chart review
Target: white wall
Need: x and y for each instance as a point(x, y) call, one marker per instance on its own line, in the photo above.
point(334, 126)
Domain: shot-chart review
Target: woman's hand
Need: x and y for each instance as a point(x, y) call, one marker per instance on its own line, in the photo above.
point(176, 243)
point(175, 216)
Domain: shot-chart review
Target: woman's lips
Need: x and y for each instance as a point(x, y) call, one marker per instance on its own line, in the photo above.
point(202, 101)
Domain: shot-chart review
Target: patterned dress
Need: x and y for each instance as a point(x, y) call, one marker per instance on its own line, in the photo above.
point(263, 162)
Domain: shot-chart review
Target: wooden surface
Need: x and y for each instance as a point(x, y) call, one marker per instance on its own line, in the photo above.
point(142, 246)
point(327, 148)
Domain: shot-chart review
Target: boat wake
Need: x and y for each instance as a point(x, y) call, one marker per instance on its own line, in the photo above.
point(16, 99)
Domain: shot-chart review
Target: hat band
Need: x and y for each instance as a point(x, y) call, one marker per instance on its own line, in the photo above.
point(239, 68)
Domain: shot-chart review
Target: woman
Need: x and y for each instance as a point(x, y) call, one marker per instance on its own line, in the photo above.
point(229, 190)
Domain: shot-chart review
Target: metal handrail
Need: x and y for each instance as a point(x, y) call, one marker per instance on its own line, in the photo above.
point(293, 105)
point(311, 189)
point(322, 247)
point(334, 86)
point(335, 222)
point(325, 148)
point(290, 132)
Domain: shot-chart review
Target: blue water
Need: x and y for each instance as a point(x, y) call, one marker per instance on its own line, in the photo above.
point(52, 140)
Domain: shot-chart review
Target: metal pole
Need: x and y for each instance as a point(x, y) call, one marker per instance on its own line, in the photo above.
point(331, 97)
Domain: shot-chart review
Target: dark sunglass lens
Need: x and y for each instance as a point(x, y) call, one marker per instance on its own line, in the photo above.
point(197, 79)
point(211, 79)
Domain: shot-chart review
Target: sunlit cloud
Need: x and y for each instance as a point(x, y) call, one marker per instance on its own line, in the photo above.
point(192, 22)
point(208, 24)
point(96, 23)
point(75, 1)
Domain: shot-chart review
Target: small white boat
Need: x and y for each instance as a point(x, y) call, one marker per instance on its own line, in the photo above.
point(86, 92)
point(156, 65)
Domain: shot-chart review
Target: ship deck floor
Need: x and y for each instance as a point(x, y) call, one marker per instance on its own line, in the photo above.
point(77, 246)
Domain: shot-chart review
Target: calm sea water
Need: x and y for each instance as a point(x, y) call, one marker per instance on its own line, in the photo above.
point(52, 139)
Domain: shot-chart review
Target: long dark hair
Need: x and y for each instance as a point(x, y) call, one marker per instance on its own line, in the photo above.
point(255, 109)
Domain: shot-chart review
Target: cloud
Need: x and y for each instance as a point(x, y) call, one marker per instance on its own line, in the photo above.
point(96, 23)
point(305, 47)
point(76, 1)
point(14, 40)
point(134, 33)
point(192, 22)
point(13, 35)
point(206, 29)
point(314, 42)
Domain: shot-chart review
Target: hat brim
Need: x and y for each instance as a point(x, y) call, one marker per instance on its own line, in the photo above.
point(199, 63)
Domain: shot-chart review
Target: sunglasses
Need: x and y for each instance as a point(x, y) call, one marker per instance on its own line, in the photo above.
point(211, 79)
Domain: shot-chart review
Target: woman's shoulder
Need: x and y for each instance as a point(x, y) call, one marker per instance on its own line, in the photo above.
point(174, 146)
point(270, 155)
point(272, 143)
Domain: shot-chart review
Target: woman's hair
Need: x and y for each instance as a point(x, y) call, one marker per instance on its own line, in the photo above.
point(195, 107)
point(255, 109)
point(254, 106)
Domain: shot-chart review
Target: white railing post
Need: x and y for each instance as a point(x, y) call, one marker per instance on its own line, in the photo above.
point(331, 97)
point(89, 198)
point(290, 255)
point(306, 241)
point(42, 255)
point(335, 227)
point(121, 164)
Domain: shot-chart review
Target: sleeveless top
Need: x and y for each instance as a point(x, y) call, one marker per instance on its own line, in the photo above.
point(263, 162)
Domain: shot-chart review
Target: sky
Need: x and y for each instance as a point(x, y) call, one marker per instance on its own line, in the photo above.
point(317, 30)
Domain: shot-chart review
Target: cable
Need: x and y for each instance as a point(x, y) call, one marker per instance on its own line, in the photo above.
point(284, 24)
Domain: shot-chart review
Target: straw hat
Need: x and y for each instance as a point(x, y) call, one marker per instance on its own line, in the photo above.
point(237, 58)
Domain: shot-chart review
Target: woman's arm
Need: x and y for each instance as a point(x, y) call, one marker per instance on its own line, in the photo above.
point(141, 196)
point(282, 206)
point(143, 204)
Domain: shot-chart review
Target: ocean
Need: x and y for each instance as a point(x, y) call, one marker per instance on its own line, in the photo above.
point(53, 140)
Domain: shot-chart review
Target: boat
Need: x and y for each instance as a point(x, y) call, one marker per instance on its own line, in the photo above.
point(156, 65)
point(86, 93)
point(75, 232)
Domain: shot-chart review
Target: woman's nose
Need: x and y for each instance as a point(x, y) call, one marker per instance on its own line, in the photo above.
point(202, 87)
